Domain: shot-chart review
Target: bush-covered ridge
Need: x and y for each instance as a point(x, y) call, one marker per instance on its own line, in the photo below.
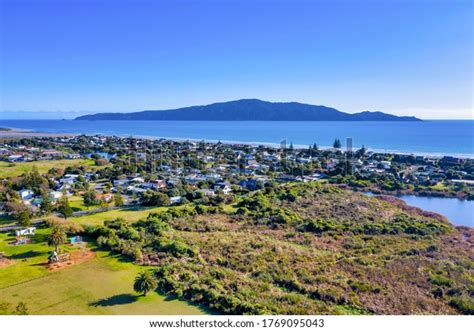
point(304, 249)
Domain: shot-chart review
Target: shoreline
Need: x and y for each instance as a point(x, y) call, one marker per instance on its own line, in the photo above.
point(24, 133)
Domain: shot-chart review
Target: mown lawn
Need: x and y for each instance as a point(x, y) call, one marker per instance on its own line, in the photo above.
point(102, 285)
point(8, 169)
point(28, 259)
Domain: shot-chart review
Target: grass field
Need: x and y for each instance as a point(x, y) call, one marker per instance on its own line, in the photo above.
point(131, 214)
point(8, 169)
point(77, 204)
point(102, 285)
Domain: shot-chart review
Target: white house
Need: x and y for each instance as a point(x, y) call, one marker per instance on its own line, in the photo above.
point(26, 232)
point(207, 192)
point(55, 195)
point(26, 194)
point(15, 158)
point(175, 200)
point(137, 180)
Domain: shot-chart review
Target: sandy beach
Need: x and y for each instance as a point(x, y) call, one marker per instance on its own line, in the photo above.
point(30, 134)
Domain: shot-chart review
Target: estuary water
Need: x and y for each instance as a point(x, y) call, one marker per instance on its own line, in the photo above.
point(454, 138)
point(458, 212)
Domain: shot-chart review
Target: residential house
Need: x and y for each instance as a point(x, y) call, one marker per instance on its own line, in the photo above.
point(26, 194)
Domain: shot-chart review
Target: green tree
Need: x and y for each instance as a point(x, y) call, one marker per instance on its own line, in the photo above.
point(64, 208)
point(57, 237)
point(337, 143)
point(118, 200)
point(90, 198)
point(144, 282)
point(158, 199)
point(24, 217)
point(361, 152)
point(33, 180)
point(46, 205)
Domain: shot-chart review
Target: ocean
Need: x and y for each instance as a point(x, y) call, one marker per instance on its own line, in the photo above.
point(440, 137)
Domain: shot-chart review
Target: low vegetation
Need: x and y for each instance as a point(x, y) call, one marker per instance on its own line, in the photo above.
point(303, 249)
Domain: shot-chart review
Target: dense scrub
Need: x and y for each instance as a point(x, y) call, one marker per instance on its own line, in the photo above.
point(305, 249)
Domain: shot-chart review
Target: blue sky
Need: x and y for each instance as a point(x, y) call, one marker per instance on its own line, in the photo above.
point(403, 57)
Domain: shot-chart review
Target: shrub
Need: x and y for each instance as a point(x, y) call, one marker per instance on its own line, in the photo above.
point(464, 304)
point(440, 280)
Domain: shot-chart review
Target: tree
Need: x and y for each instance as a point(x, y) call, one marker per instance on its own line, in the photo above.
point(24, 217)
point(57, 237)
point(46, 205)
point(65, 209)
point(118, 200)
point(158, 199)
point(34, 181)
point(337, 143)
point(21, 309)
point(90, 198)
point(361, 152)
point(144, 282)
point(19, 212)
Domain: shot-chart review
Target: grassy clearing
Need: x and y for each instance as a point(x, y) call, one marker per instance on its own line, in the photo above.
point(131, 214)
point(28, 258)
point(8, 170)
point(440, 186)
point(102, 285)
point(77, 204)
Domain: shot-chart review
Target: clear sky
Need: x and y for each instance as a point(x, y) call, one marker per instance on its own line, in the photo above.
point(406, 57)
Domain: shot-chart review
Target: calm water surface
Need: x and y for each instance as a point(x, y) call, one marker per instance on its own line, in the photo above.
point(459, 212)
point(455, 138)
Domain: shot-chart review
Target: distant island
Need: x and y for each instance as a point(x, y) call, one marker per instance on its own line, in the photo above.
point(249, 110)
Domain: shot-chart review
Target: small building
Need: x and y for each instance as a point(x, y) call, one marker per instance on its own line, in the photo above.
point(175, 200)
point(207, 192)
point(55, 195)
point(26, 194)
point(16, 158)
point(224, 187)
point(26, 232)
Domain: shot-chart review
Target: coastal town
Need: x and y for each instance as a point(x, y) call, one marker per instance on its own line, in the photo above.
point(132, 171)
point(236, 164)
point(160, 210)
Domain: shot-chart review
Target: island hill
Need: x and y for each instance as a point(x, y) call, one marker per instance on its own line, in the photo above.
point(249, 110)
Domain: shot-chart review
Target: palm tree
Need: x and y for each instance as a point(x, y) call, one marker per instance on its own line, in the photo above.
point(57, 237)
point(144, 282)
